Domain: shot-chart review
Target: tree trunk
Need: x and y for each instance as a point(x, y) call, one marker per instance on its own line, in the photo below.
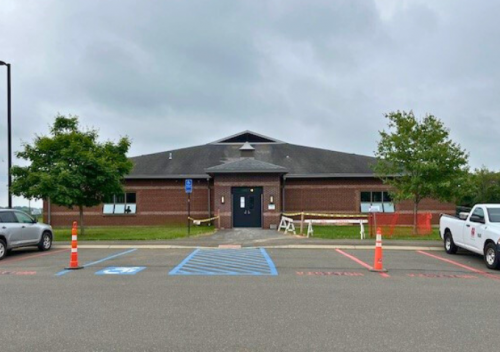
point(415, 217)
point(82, 229)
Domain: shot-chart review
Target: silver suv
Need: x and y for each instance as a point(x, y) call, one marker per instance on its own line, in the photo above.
point(18, 229)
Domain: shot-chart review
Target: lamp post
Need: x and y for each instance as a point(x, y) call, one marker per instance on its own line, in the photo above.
point(9, 134)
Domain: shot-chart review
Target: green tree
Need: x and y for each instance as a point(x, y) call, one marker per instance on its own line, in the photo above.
point(483, 187)
point(419, 160)
point(71, 167)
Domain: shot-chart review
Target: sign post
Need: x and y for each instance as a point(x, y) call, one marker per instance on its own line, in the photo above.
point(188, 186)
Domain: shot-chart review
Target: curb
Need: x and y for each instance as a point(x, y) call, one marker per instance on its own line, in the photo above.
point(357, 247)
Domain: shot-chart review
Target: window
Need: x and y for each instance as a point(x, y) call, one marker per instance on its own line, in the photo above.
point(493, 214)
point(376, 201)
point(124, 203)
point(479, 212)
point(24, 218)
point(7, 217)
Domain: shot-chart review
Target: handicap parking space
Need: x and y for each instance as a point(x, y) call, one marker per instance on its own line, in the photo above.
point(127, 262)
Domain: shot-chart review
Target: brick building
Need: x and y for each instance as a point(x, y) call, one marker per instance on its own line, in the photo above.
point(249, 180)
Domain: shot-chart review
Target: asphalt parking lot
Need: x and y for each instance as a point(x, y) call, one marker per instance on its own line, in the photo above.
point(263, 300)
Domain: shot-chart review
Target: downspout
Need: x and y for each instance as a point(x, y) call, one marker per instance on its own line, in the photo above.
point(48, 211)
point(283, 195)
point(208, 188)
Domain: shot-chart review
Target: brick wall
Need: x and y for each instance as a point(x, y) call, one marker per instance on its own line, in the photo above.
point(328, 195)
point(159, 202)
point(164, 201)
point(271, 187)
point(344, 195)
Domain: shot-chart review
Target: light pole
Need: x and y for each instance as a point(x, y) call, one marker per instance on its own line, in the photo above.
point(9, 134)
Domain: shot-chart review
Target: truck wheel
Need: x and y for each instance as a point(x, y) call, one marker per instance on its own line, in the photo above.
point(45, 242)
point(3, 249)
point(449, 245)
point(490, 256)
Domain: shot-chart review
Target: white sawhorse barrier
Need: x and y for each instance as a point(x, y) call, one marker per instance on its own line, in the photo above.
point(287, 225)
point(310, 230)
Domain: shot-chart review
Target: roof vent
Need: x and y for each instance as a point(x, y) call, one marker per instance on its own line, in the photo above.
point(169, 156)
point(247, 151)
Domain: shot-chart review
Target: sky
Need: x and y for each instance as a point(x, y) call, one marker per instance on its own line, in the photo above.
point(173, 74)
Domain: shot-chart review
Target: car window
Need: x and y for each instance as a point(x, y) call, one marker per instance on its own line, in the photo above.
point(7, 216)
point(24, 218)
point(494, 214)
point(479, 212)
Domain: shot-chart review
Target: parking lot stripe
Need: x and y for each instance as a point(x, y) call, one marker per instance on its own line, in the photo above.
point(226, 262)
point(484, 273)
point(359, 261)
point(99, 261)
point(7, 261)
point(187, 259)
point(272, 267)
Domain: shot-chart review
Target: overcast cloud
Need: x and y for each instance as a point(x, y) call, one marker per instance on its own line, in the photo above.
point(172, 74)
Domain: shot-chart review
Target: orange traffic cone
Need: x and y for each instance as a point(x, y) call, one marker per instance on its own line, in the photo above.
point(73, 263)
point(377, 264)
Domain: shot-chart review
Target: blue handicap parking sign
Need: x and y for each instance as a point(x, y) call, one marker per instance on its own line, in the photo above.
point(121, 270)
point(188, 185)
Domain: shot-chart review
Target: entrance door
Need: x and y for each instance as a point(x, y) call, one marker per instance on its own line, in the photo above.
point(247, 207)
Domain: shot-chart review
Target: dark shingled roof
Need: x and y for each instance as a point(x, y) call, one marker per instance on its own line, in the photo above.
point(246, 165)
point(299, 161)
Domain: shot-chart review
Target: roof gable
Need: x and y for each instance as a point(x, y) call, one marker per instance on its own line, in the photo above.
point(246, 136)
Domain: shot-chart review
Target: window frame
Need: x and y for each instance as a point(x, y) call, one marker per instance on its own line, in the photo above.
point(126, 206)
point(386, 206)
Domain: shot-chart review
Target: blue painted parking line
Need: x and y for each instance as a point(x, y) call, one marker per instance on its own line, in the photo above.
point(98, 261)
point(247, 261)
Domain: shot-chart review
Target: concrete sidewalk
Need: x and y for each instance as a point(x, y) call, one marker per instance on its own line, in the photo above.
point(259, 238)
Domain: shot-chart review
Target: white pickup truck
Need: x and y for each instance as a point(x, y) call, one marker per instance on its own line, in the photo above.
point(477, 231)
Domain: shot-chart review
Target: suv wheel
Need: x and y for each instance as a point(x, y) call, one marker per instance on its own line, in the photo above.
point(45, 242)
point(3, 249)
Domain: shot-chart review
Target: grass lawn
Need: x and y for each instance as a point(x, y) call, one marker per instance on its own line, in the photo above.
point(111, 233)
point(352, 232)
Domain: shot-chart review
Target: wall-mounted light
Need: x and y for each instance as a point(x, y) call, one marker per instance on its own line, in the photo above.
point(222, 200)
point(271, 199)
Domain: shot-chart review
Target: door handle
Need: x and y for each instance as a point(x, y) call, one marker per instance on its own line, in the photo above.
point(23, 227)
point(467, 225)
point(3, 227)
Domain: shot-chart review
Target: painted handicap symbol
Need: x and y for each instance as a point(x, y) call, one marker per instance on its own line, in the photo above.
point(117, 270)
